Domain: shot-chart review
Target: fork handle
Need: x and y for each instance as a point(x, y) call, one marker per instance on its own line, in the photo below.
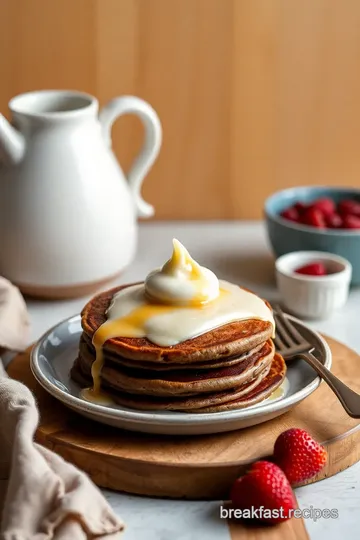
point(349, 399)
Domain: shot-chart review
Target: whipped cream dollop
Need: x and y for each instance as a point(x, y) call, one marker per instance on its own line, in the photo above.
point(177, 302)
point(181, 281)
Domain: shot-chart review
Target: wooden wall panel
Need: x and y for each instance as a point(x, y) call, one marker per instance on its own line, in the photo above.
point(319, 93)
point(253, 95)
point(253, 106)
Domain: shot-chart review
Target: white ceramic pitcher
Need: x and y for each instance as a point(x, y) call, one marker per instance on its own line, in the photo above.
point(67, 213)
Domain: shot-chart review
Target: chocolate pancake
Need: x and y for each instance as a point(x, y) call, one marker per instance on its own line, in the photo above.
point(244, 396)
point(110, 356)
point(180, 382)
point(263, 390)
point(174, 403)
point(227, 340)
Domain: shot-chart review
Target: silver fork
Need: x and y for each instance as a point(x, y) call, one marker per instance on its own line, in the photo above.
point(291, 344)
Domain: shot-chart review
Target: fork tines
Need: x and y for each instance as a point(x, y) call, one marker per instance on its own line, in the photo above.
point(288, 340)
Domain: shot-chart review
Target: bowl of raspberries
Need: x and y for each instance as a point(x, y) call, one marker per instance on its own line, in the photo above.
point(316, 218)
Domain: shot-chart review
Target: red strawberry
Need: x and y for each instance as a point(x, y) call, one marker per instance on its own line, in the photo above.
point(313, 217)
point(264, 487)
point(351, 222)
point(334, 221)
point(300, 207)
point(348, 206)
point(299, 455)
point(325, 205)
point(291, 214)
point(312, 269)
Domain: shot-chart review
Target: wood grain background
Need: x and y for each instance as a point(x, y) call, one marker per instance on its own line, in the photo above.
point(254, 95)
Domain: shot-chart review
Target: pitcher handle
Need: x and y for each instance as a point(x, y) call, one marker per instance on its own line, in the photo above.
point(150, 149)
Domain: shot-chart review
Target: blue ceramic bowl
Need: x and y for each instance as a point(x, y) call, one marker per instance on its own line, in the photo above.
point(286, 236)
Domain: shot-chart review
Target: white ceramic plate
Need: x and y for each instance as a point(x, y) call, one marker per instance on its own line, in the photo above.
point(55, 352)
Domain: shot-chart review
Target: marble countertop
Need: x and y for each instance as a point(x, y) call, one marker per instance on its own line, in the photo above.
point(238, 252)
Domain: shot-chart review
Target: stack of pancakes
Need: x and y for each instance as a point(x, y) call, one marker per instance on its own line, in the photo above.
point(231, 367)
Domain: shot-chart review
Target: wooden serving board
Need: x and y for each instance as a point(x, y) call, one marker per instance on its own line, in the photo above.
point(193, 467)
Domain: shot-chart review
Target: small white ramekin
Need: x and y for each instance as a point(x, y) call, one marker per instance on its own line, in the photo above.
point(314, 297)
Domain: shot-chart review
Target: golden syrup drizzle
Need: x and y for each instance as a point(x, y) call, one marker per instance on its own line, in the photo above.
point(280, 392)
point(132, 325)
point(100, 398)
point(181, 258)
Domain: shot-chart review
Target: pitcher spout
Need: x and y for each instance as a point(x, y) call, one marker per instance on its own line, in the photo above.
point(12, 143)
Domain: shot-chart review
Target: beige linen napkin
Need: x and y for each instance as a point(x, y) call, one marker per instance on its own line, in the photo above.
point(42, 497)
